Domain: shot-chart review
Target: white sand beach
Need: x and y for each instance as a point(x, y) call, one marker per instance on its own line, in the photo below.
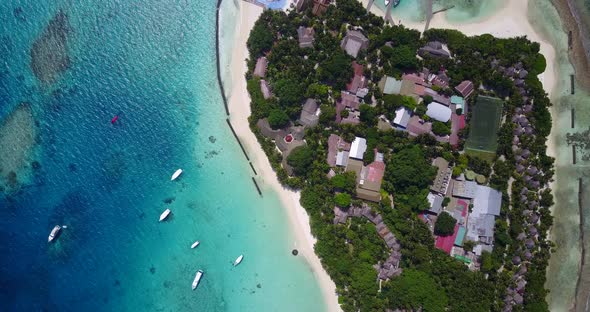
point(239, 106)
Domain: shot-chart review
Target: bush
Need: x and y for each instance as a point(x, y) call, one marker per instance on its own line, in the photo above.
point(446, 201)
point(300, 159)
point(342, 200)
point(427, 99)
point(440, 128)
point(445, 224)
point(278, 118)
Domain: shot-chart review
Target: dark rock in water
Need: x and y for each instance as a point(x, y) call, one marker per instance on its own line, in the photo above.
point(117, 283)
point(212, 139)
point(18, 13)
point(72, 167)
point(295, 252)
point(12, 180)
point(49, 54)
point(36, 165)
point(169, 200)
point(153, 270)
point(258, 285)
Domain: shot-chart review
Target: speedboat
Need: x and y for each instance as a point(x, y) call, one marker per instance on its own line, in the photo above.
point(176, 174)
point(54, 233)
point(387, 2)
point(164, 215)
point(239, 260)
point(197, 279)
point(195, 244)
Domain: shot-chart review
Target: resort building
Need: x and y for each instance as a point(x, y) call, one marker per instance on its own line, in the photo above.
point(438, 112)
point(370, 178)
point(264, 87)
point(337, 147)
point(358, 148)
point(443, 176)
point(459, 102)
point(486, 206)
point(353, 42)
point(465, 88)
point(309, 113)
point(464, 189)
point(434, 49)
point(358, 85)
point(435, 202)
point(350, 103)
point(261, 65)
point(320, 6)
point(402, 117)
point(390, 85)
point(305, 35)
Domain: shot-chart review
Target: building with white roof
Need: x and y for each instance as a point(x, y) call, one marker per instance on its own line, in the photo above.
point(402, 117)
point(438, 112)
point(358, 148)
point(487, 203)
point(342, 158)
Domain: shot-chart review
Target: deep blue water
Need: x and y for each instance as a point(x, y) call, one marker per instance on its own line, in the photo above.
point(152, 63)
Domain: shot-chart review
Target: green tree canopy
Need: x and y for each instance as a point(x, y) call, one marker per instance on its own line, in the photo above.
point(336, 70)
point(342, 200)
point(300, 159)
point(278, 118)
point(345, 181)
point(445, 224)
point(408, 171)
point(289, 92)
point(440, 128)
point(415, 290)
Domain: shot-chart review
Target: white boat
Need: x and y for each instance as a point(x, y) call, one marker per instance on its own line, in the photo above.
point(164, 215)
point(239, 260)
point(197, 279)
point(195, 244)
point(54, 233)
point(387, 2)
point(176, 174)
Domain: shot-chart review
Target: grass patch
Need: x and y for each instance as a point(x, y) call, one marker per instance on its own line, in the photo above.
point(484, 125)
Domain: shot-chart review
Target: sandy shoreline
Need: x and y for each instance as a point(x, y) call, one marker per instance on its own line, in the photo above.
point(239, 107)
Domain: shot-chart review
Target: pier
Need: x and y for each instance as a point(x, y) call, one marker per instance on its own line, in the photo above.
point(572, 80)
point(430, 13)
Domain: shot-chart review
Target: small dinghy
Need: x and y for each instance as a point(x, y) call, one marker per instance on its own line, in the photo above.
point(176, 174)
point(239, 260)
point(197, 279)
point(114, 120)
point(195, 244)
point(164, 215)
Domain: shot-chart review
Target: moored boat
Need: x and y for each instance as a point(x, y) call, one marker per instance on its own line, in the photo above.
point(239, 260)
point(54, 233)
point(195, 244)
point(164, 215)
point(176, 174)
point(197, 279)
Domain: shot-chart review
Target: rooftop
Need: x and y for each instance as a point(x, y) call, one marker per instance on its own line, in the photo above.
point(309, 113)
point(261, 65)
point(305, 36)
point(438, 112)
point(402, 117)
point(353, 42)
point(358, 148)
point(465, 88)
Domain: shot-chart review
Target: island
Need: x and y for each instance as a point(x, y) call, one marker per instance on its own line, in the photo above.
point(420, 157)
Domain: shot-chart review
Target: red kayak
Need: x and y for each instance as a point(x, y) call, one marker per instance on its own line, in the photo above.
point(114, 119)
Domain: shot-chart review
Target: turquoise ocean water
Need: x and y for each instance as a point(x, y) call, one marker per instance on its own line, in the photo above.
point(152, 63)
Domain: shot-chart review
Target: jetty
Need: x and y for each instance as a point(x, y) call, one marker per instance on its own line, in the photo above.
point(430, 13)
